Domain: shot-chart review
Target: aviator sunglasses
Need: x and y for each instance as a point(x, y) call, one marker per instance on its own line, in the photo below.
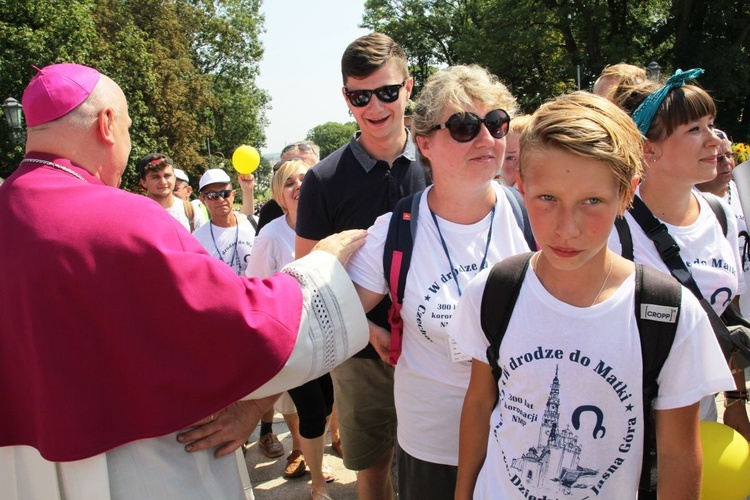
point(464, 126)
point(215, 195)
point(386, 93)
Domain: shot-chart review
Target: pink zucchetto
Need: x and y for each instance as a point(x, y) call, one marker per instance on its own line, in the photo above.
point(56, 90)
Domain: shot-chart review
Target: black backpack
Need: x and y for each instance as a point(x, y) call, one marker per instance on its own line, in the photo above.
point(656, 335)
point(399, 244)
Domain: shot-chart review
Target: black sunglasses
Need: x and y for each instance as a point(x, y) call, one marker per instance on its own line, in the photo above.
point(386, 93)
point(215, 195)
point(464, 126)
point(725, 157)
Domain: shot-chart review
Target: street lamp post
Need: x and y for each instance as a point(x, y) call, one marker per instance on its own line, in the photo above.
point(13, 115)
point(653, 71)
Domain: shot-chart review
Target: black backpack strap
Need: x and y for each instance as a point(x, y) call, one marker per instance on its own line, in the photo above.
point(626, 238)
point(718, 211)
point(189, 213)
point(253, 223)
point(519, 212)
point(668, 249)
point(399, 243)
point(498, 300)
point(658, 298)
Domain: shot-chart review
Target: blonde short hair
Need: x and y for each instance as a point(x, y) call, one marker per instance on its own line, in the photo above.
point(285, 170)
point(518, 124)
point(457, 88)
point(619, 74)
point(587, 125)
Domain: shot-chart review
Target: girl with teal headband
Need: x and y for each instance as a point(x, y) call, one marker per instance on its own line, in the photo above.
point(680, 150)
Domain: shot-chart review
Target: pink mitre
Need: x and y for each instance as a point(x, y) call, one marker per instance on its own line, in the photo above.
point(56, 90)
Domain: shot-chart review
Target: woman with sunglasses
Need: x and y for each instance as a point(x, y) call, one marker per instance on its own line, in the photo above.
point(465, 223)
point(680, 150)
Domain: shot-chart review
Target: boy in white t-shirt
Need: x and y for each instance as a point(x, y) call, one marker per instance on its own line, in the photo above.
point(568, 421)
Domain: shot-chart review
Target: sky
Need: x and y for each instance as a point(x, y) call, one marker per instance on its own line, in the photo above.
point(301, 66)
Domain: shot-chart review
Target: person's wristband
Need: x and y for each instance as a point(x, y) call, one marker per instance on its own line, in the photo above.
point(738, 395)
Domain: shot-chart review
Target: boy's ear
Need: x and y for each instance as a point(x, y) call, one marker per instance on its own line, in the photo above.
point(519, 185)
point(627, 197)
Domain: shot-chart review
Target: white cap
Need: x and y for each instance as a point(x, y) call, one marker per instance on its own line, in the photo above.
point(214, 176)
point(181, 175)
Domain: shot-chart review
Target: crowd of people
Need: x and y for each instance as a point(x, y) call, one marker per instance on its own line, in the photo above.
point(146, 341)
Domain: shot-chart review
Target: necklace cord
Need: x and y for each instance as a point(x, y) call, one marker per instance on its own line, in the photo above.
point(235, 255)
point(535, 266)
point(54, 165)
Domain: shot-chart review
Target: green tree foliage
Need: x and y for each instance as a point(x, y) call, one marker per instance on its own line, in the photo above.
point(539, 47)
point(715, 36)
point(38, 33)
point(188, 68)
point(331, 135)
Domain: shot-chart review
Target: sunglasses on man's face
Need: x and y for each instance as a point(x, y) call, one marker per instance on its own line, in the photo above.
point(724, 157)
point(464, 126)
point(215, 195)
point(386, 93)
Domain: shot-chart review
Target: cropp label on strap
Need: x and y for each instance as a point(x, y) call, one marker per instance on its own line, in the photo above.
point(663, 314)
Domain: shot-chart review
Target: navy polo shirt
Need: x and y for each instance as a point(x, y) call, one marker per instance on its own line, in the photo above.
point(349, 190)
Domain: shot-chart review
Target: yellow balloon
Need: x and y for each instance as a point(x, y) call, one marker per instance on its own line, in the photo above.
point(245, 159)
point(726, 463)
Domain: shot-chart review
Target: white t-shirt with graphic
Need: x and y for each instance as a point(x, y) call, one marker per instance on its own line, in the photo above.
point(432, 375)
point(232, 245)
point(743, 241)
point(713, 260)
point(569, 419)
point(272, 249)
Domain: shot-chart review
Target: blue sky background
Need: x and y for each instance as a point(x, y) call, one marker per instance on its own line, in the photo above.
point(301, 66)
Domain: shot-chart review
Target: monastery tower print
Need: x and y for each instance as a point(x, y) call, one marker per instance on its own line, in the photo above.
point(553, 463)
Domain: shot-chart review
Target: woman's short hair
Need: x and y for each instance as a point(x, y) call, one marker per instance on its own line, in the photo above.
point(286, 169)
point(590, 126)
point(456, 89)
point(681, 105)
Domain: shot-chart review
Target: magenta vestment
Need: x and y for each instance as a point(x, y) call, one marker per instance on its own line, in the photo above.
point(115, 324)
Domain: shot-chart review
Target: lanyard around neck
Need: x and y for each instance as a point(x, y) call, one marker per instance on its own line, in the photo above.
point(454, 271)
point(235, 255)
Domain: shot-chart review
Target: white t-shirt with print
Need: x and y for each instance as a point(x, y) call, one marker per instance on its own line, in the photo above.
point(713, 260)
point(743, 241)
point(220, 242)
point(273, 249)
point(569, 419)
point(432, 375)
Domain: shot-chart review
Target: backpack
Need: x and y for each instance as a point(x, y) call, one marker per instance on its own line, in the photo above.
point(654, 290)
point(189, 213)
point(399, 244)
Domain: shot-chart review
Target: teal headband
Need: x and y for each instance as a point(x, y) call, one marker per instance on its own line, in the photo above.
point(644, 114)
